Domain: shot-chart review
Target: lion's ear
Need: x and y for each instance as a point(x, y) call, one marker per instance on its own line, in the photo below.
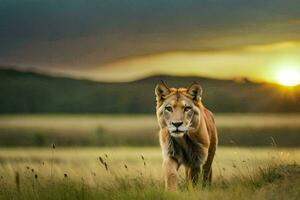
point(195, 90)
point(161, 91)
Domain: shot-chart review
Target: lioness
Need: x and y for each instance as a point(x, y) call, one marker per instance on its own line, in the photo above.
point(188, 135)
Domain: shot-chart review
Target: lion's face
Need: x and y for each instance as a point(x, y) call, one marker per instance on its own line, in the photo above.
point(178, 109)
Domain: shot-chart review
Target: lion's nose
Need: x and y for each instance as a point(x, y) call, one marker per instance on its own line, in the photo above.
point(177, 124)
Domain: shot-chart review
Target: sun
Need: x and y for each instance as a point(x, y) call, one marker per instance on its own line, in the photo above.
point(288, 77)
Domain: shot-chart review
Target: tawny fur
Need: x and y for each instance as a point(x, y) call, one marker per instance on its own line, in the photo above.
point(196, 149)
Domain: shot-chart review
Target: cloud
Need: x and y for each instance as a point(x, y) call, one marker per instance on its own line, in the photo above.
point(82, 36)
point(259, 62)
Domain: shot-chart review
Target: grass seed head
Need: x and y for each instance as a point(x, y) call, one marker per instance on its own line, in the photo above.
point(101, 160)
point(106, 166)
point(17, 180)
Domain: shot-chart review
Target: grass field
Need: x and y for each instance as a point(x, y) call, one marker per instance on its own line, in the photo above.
point(141, 130)
point(77, 173)
point(31, 168)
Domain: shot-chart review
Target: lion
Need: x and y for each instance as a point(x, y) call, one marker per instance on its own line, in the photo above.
point(188, 134)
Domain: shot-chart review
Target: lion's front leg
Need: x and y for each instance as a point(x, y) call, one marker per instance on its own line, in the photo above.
point(194, 175)
point(170, 168)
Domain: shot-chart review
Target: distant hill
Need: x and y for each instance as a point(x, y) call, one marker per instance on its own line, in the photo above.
point(28, 92)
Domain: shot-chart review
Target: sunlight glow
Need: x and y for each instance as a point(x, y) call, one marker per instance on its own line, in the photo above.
point(288, 77)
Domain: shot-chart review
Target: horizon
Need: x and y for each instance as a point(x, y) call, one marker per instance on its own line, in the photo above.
point(68, 76)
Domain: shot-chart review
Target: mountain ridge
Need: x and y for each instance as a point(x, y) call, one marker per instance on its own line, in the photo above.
point(31, 92)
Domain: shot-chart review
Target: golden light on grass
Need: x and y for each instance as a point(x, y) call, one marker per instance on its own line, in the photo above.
point(288, 77)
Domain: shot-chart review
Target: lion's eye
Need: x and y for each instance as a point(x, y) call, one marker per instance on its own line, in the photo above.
point(187, 108)
point(169, 108)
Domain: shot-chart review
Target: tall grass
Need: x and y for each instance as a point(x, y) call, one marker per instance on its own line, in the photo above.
point(239, 173)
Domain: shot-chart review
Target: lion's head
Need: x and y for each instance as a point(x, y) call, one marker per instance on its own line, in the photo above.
point(178, 109)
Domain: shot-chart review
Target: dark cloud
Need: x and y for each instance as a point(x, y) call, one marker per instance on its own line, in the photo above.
point(79, 33)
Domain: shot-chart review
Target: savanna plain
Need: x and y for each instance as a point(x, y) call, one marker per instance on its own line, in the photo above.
point(118, 157)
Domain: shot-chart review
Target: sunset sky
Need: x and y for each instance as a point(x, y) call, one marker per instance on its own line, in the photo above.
point(120, 40)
